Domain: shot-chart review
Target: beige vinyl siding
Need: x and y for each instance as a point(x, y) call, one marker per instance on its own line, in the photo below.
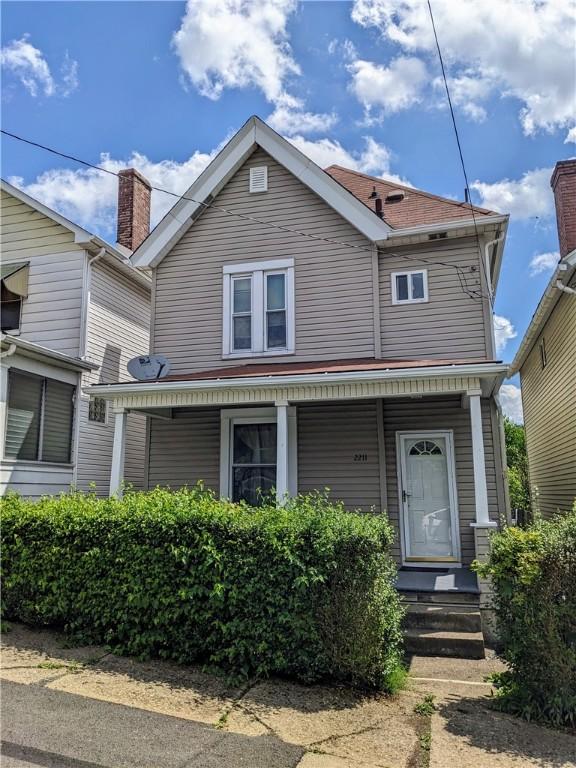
point(450, 324)
point(27, 233)
point(185, 449)
point(402, 415)
point(333, 283)
point(549, 403)
point(117, 330)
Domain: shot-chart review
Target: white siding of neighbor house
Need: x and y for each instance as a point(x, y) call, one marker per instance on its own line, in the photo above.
point(51, 313)
point(333, 283)
point(117, 329)
point(451, 324)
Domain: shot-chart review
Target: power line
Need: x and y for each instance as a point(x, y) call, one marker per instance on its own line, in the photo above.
point(456, 134)
point(472, 294)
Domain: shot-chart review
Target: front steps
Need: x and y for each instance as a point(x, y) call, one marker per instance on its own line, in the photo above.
point(441, 622)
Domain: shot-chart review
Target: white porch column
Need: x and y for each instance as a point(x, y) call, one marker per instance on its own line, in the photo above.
point(480, 487)
point(3, 405)
point(282, 451)
point(118, 453)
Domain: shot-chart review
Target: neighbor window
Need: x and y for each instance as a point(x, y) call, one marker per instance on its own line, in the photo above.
point(97, 410)
point(543, 355)
point(14, 279)
point(409, 287)
point(259, 308)
point(39, 418)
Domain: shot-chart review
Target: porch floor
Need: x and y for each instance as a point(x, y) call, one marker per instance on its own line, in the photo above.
point(442, 580)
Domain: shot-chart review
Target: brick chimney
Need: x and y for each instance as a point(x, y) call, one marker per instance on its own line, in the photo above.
point(133, 208)
point(563, 183)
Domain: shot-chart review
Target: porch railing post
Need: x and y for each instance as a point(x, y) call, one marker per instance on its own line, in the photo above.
point(118, 453)
point(282, 451)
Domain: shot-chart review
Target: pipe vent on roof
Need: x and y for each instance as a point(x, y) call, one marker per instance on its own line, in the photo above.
point(396, 196)
point(259, 178)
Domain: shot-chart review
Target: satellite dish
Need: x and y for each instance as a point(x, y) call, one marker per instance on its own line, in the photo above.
point(146, 367)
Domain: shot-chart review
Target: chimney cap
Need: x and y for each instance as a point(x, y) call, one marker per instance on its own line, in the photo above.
point(137, 174)
point(561, 168)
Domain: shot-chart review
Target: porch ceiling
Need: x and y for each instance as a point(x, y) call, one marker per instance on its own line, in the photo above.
point(399, 379)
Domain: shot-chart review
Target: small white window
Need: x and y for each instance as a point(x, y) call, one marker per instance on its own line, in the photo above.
point(258, 308)
point(410, 287)
point(259, 179)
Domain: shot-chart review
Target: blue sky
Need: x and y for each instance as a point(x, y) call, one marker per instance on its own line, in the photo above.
point(162, 85)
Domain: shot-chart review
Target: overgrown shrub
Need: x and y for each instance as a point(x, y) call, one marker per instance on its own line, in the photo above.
point(306, 590)
point(533, 572)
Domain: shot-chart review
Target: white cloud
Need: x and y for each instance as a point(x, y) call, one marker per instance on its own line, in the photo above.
point(467, 91)
point(525, 198)
point(518, 48)
point(237, 44)
point(543, 262)
point(28, 65)
point(503, 332)
point(88, 197)
point(391, 88)
point(373, 159)
point(290, 121)
point(571, 136)
point(511, 402)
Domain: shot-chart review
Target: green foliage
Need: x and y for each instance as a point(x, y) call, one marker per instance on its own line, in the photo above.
point(517, 460)
point(305, 590)
point(533, 572)
point(426, 707)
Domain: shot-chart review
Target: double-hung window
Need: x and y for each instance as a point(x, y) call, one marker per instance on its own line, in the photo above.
point(258, 308)
point(410, 287)
point(40, 417)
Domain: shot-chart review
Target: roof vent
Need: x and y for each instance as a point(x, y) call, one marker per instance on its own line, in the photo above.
point(438, 236)
point(259, 179)
point(396, 196)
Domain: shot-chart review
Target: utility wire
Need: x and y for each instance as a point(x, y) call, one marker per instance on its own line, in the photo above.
point(456, 134)
point(472, 294)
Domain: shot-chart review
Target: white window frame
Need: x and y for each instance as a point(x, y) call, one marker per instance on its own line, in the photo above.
point(228, 420)
point(409, 273)
point(257, 271)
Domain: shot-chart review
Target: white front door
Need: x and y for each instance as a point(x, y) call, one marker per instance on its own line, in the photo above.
point(428, 497)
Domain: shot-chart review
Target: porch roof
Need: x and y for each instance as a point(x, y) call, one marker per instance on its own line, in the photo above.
point(299, 382)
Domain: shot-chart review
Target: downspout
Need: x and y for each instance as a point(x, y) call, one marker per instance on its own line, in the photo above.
point(566, 288)
point(10, 351)
point(83, 356)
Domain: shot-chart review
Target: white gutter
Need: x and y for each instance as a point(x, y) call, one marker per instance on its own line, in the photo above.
point(447, 226)
point(35, 351)
point(251, 382)
point(10, 351)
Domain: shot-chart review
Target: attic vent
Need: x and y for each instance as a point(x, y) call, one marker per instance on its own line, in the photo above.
point(259, 179)
point(438, 236)
point(396, 196)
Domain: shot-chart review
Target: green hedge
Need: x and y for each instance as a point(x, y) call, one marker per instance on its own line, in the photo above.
point(533, 571)
point(305, 590)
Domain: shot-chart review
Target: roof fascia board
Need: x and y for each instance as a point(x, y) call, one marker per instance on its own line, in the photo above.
point(251, 382)
point(226, 163)
point(545, 307)
point(448, 226)
point(37, 352)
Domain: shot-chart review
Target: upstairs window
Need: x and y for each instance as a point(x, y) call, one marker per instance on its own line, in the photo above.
point(259, 308)
point(39, 418)
point(14, 287)
point(410, 287)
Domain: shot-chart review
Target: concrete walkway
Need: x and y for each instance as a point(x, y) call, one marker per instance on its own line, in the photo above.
point(84, 708)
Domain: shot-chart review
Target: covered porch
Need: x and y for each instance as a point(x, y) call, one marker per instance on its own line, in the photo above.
point(417, 439)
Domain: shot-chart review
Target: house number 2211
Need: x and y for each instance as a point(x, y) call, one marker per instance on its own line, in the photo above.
point(360, 457)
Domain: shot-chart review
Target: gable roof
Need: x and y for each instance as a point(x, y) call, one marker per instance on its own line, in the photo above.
point(562, 276)
point(254, 133)
point(416, 209)
point(114, 255)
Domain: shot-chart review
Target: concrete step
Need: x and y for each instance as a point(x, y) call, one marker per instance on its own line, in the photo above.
point(450, 618)
point(462, 645)
point(442, 598)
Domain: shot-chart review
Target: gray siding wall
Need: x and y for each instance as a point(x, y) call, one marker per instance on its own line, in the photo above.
point(338, 450)
point(442, 413)
point(333, 284)
point(186, 449)
point(450, 325)
point(117, 330)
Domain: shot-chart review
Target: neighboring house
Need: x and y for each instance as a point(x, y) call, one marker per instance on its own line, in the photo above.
point(546, 361)
point(74, 311)
point(326, 329)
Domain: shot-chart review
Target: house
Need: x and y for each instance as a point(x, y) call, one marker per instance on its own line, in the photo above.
point(326, 329)
point(74, 310)
point(546, 361)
